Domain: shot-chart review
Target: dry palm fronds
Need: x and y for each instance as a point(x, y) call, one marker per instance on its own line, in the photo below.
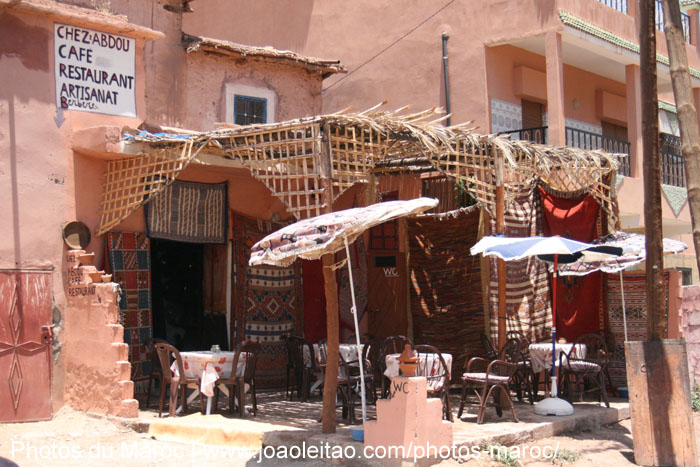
point(286, 156)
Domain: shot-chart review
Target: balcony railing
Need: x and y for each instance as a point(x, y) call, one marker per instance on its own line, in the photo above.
point(685, 20)
point(619, 5)
point(576, 138)
point(672, 169)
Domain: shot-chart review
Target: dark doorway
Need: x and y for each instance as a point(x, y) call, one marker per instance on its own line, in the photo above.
point(177, 293)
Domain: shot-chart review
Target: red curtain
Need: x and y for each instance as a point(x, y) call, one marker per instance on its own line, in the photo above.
point(578, 297)
point(314, 300)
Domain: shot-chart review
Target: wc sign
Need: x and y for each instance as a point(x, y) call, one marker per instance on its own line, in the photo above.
point(390, 272)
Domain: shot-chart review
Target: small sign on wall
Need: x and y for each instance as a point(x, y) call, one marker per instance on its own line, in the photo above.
point(94, 71)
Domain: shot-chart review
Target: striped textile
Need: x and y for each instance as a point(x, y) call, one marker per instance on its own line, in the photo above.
point(445, 289)
point(267, 302)
point(189, 212)
point(528, 298)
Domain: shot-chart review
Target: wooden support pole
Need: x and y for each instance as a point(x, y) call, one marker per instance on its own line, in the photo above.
point(656, 303)
point(500, 229)
point(330, 381)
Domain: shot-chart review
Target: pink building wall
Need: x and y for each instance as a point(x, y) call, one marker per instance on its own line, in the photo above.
point(44, 183)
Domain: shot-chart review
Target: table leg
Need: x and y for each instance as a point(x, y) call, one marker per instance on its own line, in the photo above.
point(209, 398)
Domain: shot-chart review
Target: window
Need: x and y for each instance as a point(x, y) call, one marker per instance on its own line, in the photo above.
point(385, 236)
point(248, 110)
point(245, 105)
point(687, 275)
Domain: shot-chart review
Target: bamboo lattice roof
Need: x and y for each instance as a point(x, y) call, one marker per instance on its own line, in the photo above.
point(287, 157)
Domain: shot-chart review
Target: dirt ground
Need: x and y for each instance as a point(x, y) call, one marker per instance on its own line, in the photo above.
point(75, 438)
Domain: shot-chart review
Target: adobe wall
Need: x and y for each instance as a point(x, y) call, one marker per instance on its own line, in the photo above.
point(97, 370)
point(690, 323)
point(38, 185)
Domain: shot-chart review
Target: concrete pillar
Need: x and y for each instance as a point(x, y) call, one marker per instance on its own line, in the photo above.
point(555, 90)
point(694, 25)
point(634, 118)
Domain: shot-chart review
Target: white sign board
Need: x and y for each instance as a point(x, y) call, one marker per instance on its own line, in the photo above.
point(94, 71)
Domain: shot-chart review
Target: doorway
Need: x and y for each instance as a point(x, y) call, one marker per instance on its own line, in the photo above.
point(181, 283)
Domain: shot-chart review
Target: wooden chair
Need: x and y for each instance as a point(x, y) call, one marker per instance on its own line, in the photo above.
point(576, 372)
point(236, 384)
point(390, 345)
point(156, 371)
point(523, 379)
point(177, 384)
point(433, 367)
point(485, 378)
point(489, 350)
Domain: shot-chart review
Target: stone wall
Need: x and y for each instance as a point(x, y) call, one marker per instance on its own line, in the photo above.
point(98, 373)
point(690, 325)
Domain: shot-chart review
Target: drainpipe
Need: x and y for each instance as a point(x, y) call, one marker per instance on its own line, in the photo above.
point(447, 77)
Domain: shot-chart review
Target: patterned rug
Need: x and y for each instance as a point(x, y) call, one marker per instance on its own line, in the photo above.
point(445, 289)
point(636, 307)
point(267, 301)
point(189, 212)
point(528, 298)
point(129, 255)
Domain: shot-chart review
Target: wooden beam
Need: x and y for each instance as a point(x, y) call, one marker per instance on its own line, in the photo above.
point(500, 229)
point(330, 382)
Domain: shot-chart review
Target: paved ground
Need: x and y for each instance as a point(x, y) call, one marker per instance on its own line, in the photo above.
point(74, 438)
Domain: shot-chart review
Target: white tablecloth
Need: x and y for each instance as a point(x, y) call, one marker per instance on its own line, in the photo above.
point(209, 367)
point(429, 364)
point(541, 354)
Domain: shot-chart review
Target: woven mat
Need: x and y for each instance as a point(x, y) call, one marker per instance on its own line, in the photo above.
point(267, 301)
point(446, 298)
point(129, 255)
point(189, 212)
point(636, 306)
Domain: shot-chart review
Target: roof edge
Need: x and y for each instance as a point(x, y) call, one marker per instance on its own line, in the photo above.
point(116, 24)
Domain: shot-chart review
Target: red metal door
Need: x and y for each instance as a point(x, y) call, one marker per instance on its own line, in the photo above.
point(25, 346)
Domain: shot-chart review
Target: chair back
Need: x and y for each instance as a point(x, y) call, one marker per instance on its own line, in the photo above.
point(151, 349)
point(489, 350)
point(512, 352)
point(166, 353)
point(252, 349)
point(596, 350)
point(524, 341)
point(295, 351)
point(432, 366)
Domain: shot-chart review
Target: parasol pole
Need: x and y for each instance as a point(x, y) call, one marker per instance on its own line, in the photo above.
point(357, 333)
point(624, 312)
point(553, 391)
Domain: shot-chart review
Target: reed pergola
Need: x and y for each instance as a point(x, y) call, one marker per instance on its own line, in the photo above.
point(295, 158)
point(309, 162)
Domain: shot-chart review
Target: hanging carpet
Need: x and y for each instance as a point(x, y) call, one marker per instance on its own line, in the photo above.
point(445, 289)
point(189, 212)
point(636, 305)
point(267, 301)
point(528, 302)
point(129, 255)
point(579, 307)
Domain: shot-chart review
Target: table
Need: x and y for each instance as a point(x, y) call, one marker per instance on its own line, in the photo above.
point(429, 361)
point(208, 367)
point(541, 354)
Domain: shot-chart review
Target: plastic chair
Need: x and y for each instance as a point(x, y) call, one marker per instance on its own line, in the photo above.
point(156, 371)
point(176, 383)
point(236, 384)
